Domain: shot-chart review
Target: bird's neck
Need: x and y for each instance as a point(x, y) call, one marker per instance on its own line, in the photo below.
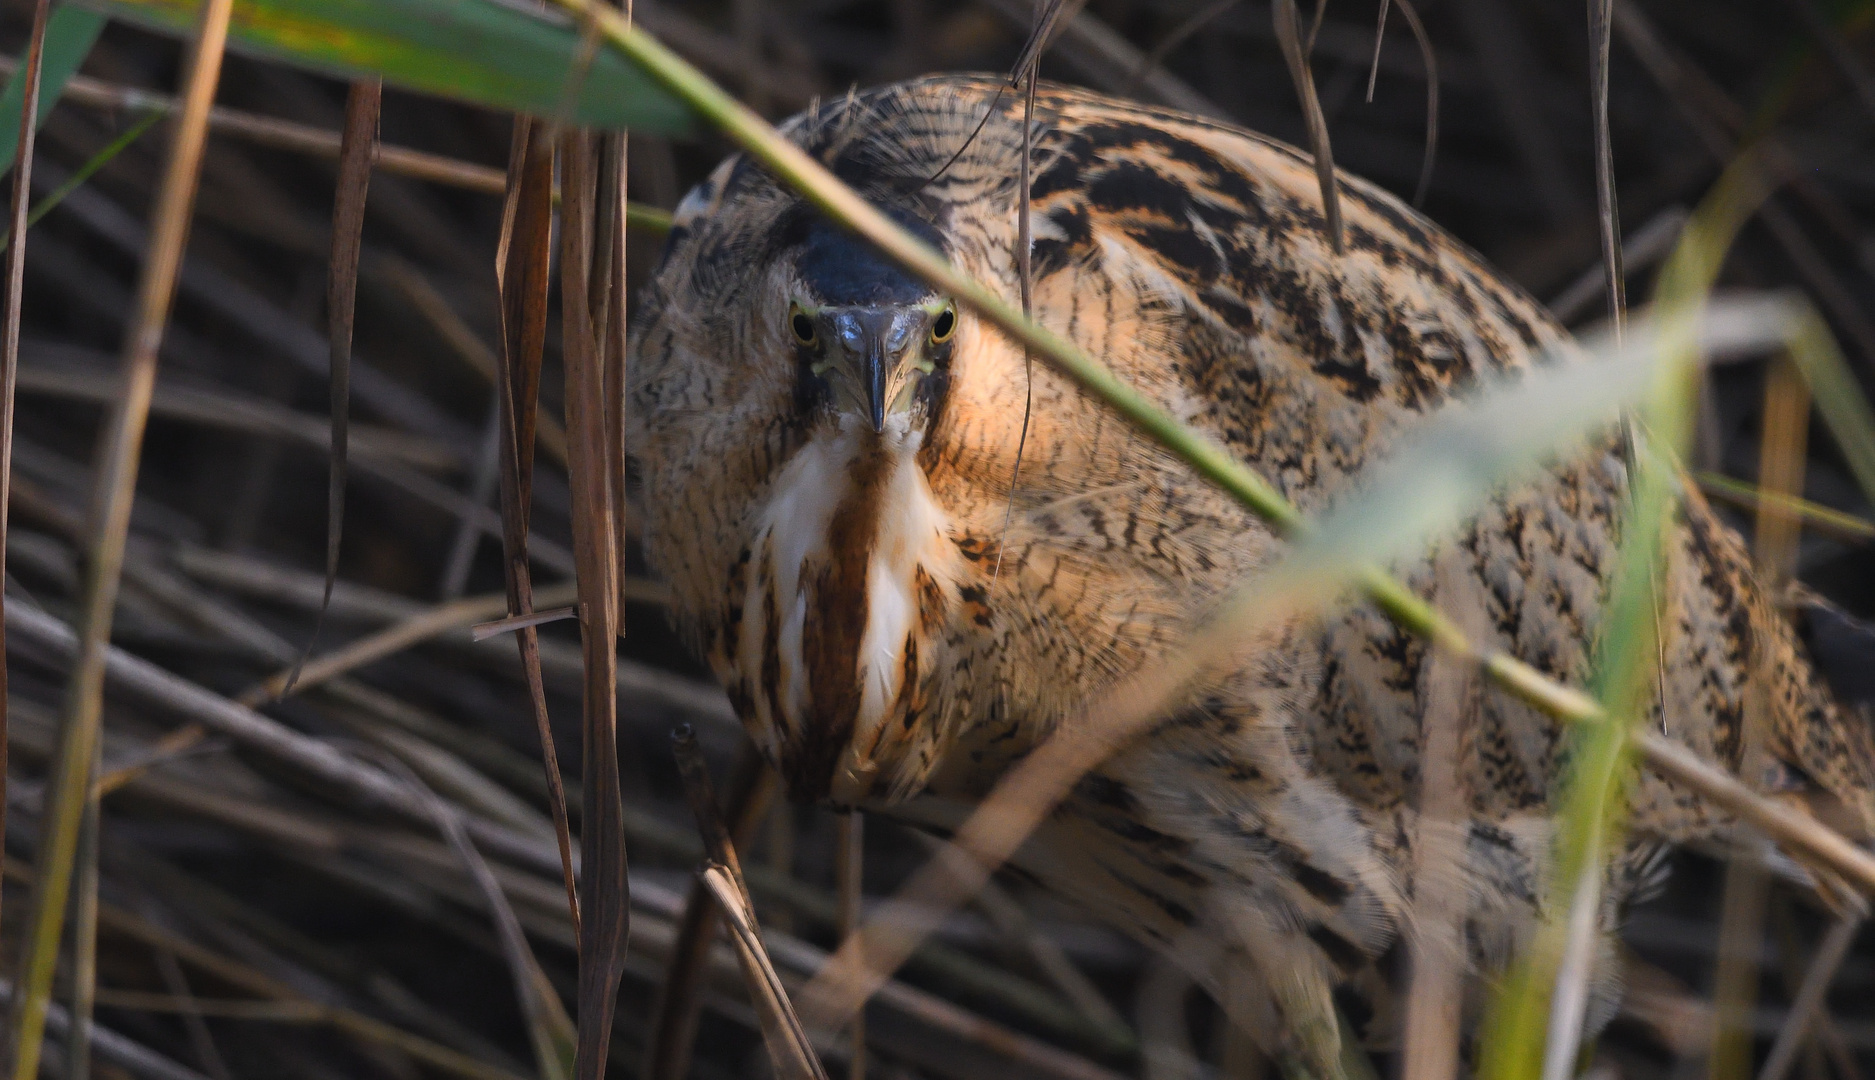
point(855, 571)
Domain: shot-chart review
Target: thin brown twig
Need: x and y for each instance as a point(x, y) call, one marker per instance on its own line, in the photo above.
point(455, 615)
point(1430, 58)
point(1289, 37)
point(1608, 215)
point(119, 455)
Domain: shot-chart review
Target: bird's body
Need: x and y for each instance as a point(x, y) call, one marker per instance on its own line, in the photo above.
point(845, 553)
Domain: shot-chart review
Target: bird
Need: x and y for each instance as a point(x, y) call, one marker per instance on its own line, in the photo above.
point(908, 553)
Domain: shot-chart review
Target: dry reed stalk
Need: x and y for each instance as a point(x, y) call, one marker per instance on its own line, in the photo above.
point(548, 1025)
point(10, 317)
point(1433, 1036)
point(593, 464)
point(1781, 461)
point(201, 1040)
point(436, 309)
point(250, 729)
point(521, 274)
point(116, 477)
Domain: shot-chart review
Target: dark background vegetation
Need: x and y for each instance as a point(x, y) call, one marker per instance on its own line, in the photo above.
point(222, 503)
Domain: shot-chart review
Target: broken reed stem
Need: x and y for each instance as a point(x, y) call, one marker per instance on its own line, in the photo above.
point(700, 792)
point(789, 1048)
point(794, 167)
point(752, 787)
point(116, 477)
point(1781, 461)
point(10, 341)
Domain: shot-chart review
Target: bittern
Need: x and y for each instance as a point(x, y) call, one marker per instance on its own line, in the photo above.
point(829, 451)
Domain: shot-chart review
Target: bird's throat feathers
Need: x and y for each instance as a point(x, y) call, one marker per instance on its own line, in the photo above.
point(853, 574)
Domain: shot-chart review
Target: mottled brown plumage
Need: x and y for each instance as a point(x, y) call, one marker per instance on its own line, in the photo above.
point(841, 575)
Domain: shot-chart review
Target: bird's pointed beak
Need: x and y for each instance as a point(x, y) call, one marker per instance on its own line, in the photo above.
point(881, 345)
point(877, 373)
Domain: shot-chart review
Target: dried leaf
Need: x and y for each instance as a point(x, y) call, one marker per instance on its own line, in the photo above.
point(604, 889)
point(358, 148)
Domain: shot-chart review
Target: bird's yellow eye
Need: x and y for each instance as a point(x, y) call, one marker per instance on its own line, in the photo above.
point(944, 326)
point(800, 325)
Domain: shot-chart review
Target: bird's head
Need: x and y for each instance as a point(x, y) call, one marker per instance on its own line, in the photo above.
point(875, 362)
point(793, 384)
point(871, 345)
